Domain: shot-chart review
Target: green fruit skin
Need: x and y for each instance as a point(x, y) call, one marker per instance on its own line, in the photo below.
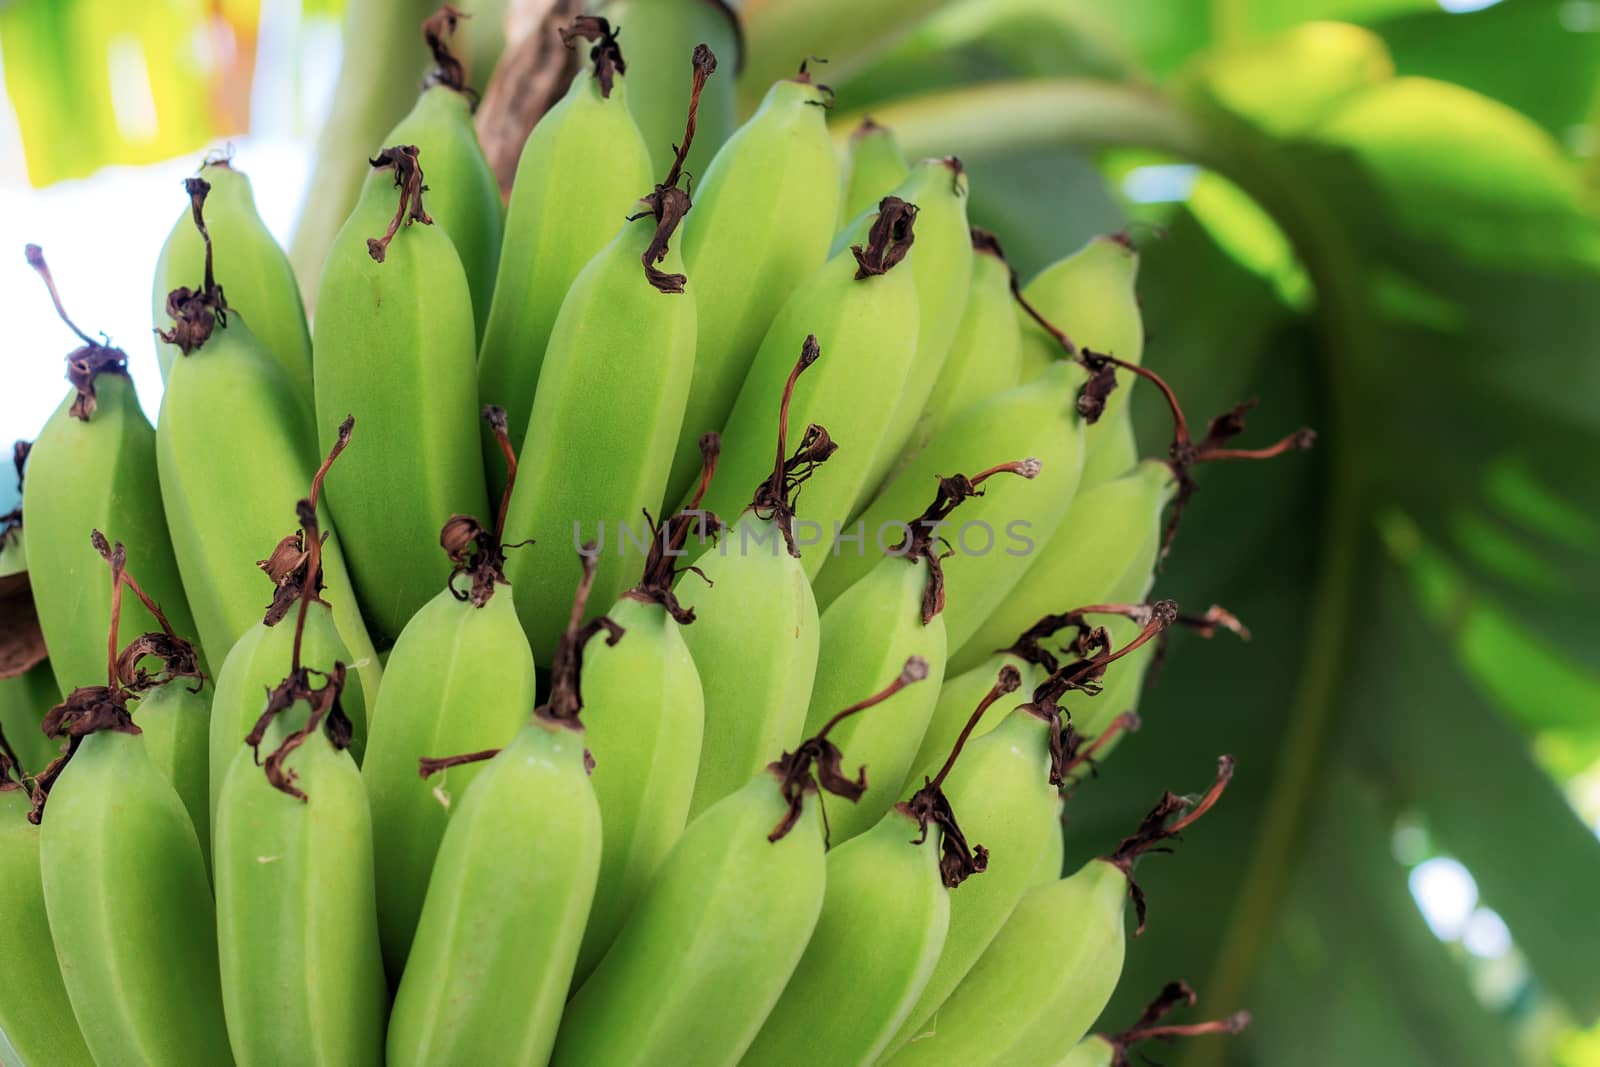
point(36, 1018)
point(252, 269)
point(297, 926)
point(1089, 295)
point(959, 697)
point(395, 348)
point(884, 916)
point(645, 717)
point(712, 943)
point(658, 37)
point(1113, 448)
point(761, 221)
point(875, 167)
point(1099, 554)
point(86, 476)
point(941, 267)
point(1000, 791)
point(463, 195)
point(867, 332)
point(985, 354)
point(489, 971)
point(1048, 869)
point(867, 636)
point(553, 234)
point(130, 910)
point(460, 679)
point(1092, 1051)
point(256, 665)
point(232, 471)
point(1037, 420)
point(754, 641)
point(24, 700)
point(1124, 682)
point(1064, 945)
point(604, 422)
point(176, 720)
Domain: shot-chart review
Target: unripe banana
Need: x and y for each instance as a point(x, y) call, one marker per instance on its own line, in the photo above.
point(1103, 552)
point(999, 530)
point(1063, 946)
point(297, 924)
point(234, 447)
point(1111, 1050)
point(612, 389)
point(396, 310)
point(254, 270)
point(715, 938)
point(885, 914)
point(492, 960)
point(93, 468)
point(581, 168)
point(941, 268)
point(24, 698)
point(1115, 451)
point(762, 217)
point(460, 679)
point(862, 309)
point(659, 34)
point(876, 165)
point(756, 630)
point(463, 195)
point(985, 354)
point(36, 1020)
point(894, 612)
point(645, 727)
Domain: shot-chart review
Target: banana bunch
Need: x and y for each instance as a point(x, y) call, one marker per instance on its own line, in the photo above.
point(716, 700)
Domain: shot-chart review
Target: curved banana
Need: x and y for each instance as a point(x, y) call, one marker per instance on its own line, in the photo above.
point(606, 414)
point(876, 165)
point(93, 467)
point(723, 924)
point(492, 960)
point(580, 170)
point(394, 338)
point(253, 269)
point(460, 679)
point(862, 309)
point(463, 195)
point(762, 216)
point(234, 450)
point(756, 630)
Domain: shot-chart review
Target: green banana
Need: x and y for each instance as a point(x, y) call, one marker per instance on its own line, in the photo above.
point(885, 913)
point(255, 271)
point(463, 195)
point(588, 144)
point(894, 612)
point(297, 923)
point(1115, 451)
point(36, 1018)
point(645, 728)
point(1103, 552)
point(492, 960)
point(660, 33)
point(985, 354)
point(756, 630)
point(29, 688)
point(612, 387)
point(762, 217)
point(234, 450)
point(1000, 529)
point(876, 165)
point(93, 467)
point(1063, 945)
point(723, 924)
point(941, 268)
point(863, 313)
point(460, 679)
point(396, 310)
point(1111, 1050)
point(125, 884)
